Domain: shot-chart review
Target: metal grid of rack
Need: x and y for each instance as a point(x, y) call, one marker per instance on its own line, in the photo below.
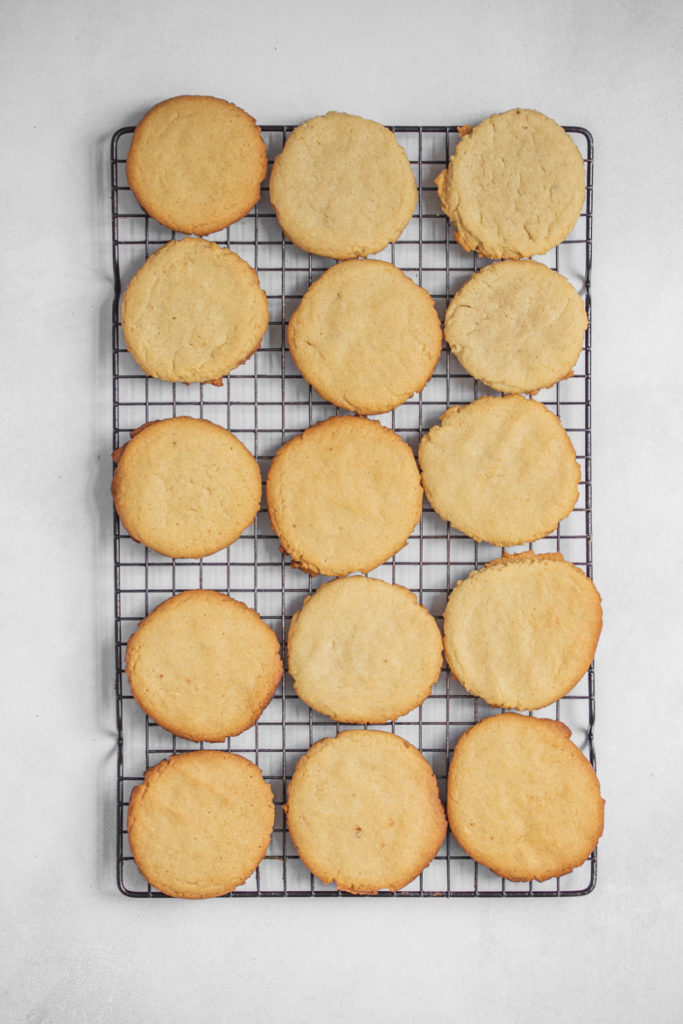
point(264, 403)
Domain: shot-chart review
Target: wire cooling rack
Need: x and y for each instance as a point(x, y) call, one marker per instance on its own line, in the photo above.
point(264, 403)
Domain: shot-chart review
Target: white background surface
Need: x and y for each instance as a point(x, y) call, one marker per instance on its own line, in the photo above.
point(73, 949)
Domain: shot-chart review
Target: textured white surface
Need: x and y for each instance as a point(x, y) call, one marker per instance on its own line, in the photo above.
point(73, 949)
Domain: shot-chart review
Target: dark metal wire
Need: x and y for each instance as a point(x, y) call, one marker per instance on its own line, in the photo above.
point(266, 402)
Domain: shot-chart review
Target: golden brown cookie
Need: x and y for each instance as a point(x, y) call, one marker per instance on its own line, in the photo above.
point(200, 823)
point(522, 798)
point(193, 312)
point(196, 163)
point(365, 336)
point(522, 631)
point(364, 651)
point(343, 496)
point(501, 470)
point(514, 186)
point(203, 665)
point(185, 487)
point(363, 811)
point(342, 186)
point(517, 325)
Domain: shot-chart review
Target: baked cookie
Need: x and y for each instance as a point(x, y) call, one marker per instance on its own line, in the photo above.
point(193, 312)
point(517, 325)
point(514, 186)
point(365, 336)
point(364, 651)
point(203, 665)
point(522, 631)
point(522, 798)
point(185, 487)
point(342, 186)
point(200, 823)
point(196, 163)
point(501, 470)
point(343, 496)
point(363, 811)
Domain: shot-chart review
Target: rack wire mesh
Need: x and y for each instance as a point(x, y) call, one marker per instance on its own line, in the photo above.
point(264, 403)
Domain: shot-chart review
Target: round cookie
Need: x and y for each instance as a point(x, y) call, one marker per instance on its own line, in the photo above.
point(203, 665)
point(185, 487)
point(522, 631)
point(363, 811)
point(501, 470)
point(196, 163)
point(517, 325)
point(200, 823)
point(343, 496)
point(514, 186)
point(342, 186)
point(522, 798)
point(365, 336)
point(193, 312)
point(363, 651)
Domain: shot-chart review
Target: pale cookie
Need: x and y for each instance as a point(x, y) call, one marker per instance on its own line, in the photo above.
point(363, 651)
point(363, 811)
point(185, 487)
point(514, 186)
point(522, 798)
point(517, 325)
point(522, 631)
point(365, 336)
point(193, 312)
point(501, 470)
point(200, 823)
point(203, 665)
point(342, 186)
point(196, 163)
point(343, 496)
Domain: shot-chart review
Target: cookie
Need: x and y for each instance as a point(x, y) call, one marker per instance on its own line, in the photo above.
point(522, 631)
point(203, 665)
point(200, 823)
point(514, 186)
point(517, 325)
point(185, 487)
point(522, 798)
point(342, 186)
point(501, 470)
point(363, 811)
point(365, 336)
point(196, 163)
point(193, 312)
point(343, 496)
point(363, 651)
